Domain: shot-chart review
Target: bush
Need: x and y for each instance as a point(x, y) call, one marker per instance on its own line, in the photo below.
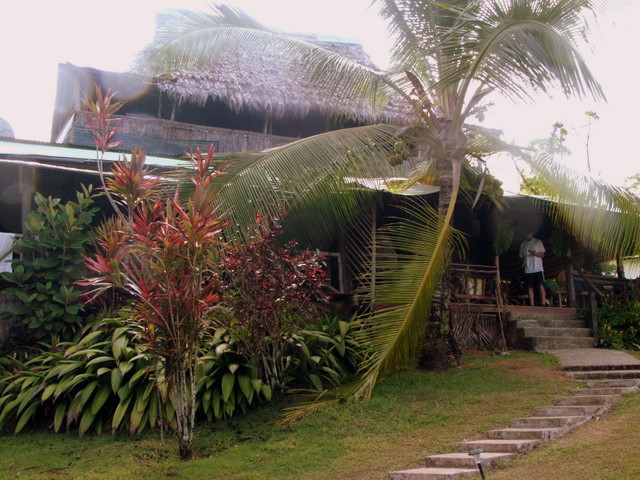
point(107, 379)
point(47, 262)
point(272, 293)
point(323, 355)
point(620, 326)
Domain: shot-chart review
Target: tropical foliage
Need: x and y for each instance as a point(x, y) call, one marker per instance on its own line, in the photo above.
point(108, 379)
point(271, 293)
point(164, 255)
point(447, 59)
point(620, 326)
point(47, 262)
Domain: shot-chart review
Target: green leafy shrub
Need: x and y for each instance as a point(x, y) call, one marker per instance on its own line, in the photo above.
point(107, 379)
point(620, 326)
point(226, 381)
point(47, 262)
point(323, 355)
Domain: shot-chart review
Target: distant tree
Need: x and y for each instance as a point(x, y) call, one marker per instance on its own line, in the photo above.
point(553, 145)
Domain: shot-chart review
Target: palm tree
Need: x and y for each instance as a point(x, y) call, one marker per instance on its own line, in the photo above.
point(448, 57)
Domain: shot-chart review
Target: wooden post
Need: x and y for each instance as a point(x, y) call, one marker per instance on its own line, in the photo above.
point(594, 313)
point(499, 302)
point(27, 177)
point(570, 286)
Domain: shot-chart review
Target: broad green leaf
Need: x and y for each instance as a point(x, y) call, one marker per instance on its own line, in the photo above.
point(229, 408)
point(315, 379)
point(117, 345)
point(118, 415)
point(266, 392)
point(116, 379)
point(88, 391)
point(141, 401)
point(86, 421)
point(48, 392)
point(137, 376)
point(96, 360)
point(245, 385)
point(228, 381)
point(344, 327)
point(257, 384)
point(216, 403)
point(58, 417)
point(100, 398)
point(26, 416)
point(125, 367)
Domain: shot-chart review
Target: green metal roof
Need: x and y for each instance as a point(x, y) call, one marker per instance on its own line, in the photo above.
point(55, 154)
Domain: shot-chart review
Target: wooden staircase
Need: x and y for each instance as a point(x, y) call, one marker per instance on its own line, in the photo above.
point(544, 329)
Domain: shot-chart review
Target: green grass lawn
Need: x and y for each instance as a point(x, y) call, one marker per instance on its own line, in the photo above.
point(412, 414)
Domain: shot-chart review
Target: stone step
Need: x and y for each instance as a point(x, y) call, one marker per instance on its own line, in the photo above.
point(544, 314)
point(551, 323)
point(604, 391)
point(500, 446)
point(545, 344)
point(614, 383)
point(587, 400)
point(604, 374)
point(556, 332)
point(558, 411)
point(464, 460)
point(544, 434)
point(433, 474)
point(546, 422)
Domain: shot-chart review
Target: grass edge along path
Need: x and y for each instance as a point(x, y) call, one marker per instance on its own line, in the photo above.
point(412, 414)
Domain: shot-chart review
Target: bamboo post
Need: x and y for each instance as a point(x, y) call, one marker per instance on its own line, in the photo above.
point(499, 303)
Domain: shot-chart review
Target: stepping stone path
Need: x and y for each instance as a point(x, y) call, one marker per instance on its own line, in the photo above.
point(608, 375)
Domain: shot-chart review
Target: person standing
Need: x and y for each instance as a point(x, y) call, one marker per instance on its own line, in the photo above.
point(531, 253)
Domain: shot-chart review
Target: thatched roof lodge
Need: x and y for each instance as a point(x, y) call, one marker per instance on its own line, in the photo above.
point(253, 101)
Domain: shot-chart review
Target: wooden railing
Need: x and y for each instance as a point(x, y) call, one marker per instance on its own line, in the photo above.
point(475, 283)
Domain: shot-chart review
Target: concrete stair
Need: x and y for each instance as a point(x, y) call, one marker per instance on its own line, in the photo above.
point(604, 387)
point(544, 329)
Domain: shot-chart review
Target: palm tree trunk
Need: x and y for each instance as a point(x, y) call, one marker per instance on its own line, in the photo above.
point(438, 345)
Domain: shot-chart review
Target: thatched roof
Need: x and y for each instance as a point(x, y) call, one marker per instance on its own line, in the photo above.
point(270, 83)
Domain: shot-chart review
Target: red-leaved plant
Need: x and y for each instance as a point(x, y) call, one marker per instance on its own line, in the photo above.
point(164, 254)
point(273, 292)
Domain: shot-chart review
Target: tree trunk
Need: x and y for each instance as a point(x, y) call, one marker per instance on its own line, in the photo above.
point(184, 402)
point(439, 347)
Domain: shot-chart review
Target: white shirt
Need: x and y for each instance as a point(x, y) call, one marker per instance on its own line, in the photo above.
point(6, 251)
point(532, 263)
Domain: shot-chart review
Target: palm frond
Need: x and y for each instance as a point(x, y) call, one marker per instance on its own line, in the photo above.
point(401, 288)
point(512, 46)
point(199, 41)
point(274, 181)
point(520, 47)
point(604, 217)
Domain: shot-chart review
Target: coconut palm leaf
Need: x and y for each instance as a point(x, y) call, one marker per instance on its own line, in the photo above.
point(400, 289)
point(605, 217)
point(193, 41)
point(516, 47)
point(305, 172)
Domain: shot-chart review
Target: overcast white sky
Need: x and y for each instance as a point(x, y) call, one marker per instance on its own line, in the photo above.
point(36, 35)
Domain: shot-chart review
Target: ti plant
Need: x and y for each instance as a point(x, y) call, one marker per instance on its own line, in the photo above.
point(165, 259)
